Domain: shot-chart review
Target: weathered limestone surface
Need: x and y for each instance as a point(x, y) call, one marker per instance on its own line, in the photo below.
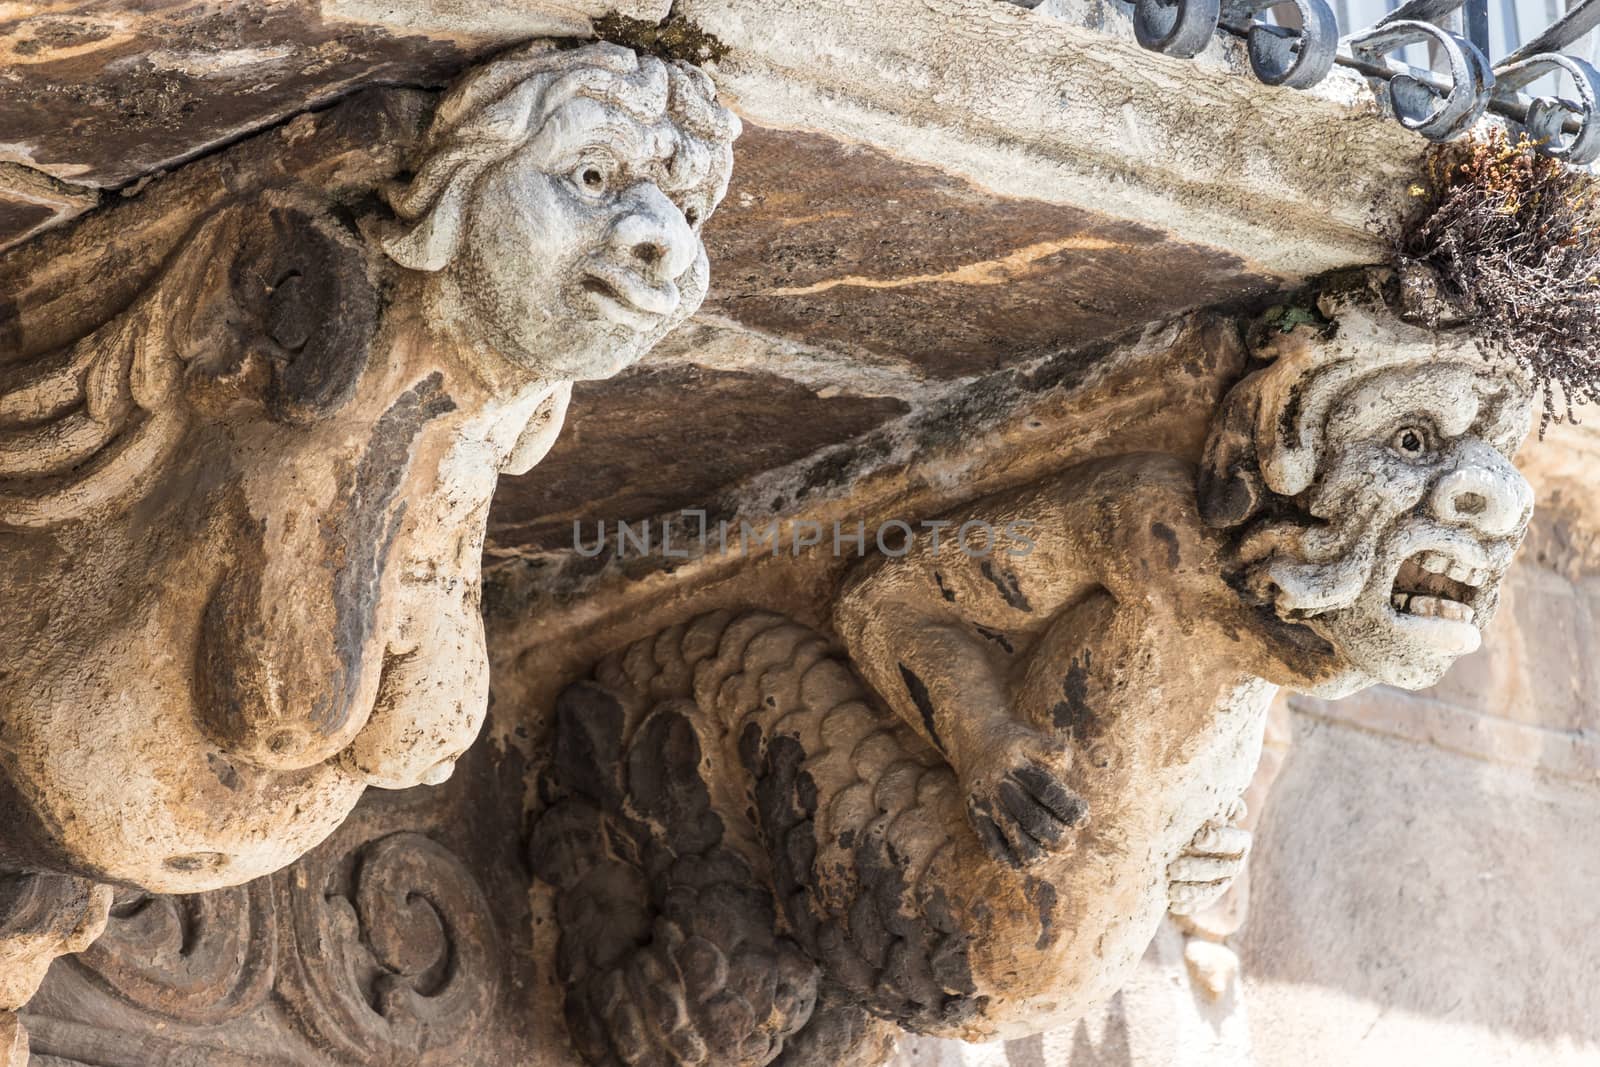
point(405, 938)
point(1145, 1009)
point(1418, 884)
point(915, 291)
point(100, 96)
point(983, 838)
point(1176, 373)
point(1155, 1018)
point(842, 250)
point(1060, 104)
point(243, 490)
point(852, 286)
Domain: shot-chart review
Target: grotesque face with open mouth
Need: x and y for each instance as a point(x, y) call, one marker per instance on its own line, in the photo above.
point(1419, 488)
point(1386, 508)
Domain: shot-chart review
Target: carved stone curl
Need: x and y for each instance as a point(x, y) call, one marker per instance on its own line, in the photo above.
point(202, 959)
point(241, 522)
point(376, 948)
point(397, 956)
point(763, 855)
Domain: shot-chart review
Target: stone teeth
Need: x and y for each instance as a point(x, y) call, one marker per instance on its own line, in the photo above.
point(1433, 607)
point(1437, 562)
point(1459, 572)
point(1427, 606)
point(1477, 577)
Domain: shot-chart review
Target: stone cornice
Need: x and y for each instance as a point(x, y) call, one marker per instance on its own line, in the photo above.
point(1061, 104)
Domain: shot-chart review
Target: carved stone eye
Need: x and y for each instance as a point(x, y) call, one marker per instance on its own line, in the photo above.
point(1410, 442)
point(591, 179)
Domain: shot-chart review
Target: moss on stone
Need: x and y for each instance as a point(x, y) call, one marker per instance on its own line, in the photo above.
point(676, 38)
point(1510, 240)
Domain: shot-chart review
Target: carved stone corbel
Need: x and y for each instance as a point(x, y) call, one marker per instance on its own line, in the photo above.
point(966, 813)
point(241, 521)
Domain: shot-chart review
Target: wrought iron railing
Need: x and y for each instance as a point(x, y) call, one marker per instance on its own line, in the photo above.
point(1443, 101)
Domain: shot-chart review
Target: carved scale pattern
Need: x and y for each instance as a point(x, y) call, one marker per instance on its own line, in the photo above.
point(867, 936)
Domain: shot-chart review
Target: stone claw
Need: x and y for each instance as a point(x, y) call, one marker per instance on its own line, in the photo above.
point(1207, 867)
point(1018, 805)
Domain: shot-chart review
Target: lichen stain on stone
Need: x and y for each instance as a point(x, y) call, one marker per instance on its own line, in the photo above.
point(1168, 537)
point(994, 635)
point(1005, 581)
point(1074, 714)
point(1042, 895)
point(918, 692)
point(676, 38)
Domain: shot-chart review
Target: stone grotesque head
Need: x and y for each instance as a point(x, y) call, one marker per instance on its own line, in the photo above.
point(1367, 470)
point(242, 520)
point(584, 175)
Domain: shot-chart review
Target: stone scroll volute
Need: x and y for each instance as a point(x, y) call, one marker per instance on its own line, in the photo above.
point(965, 811)
point(241, 520)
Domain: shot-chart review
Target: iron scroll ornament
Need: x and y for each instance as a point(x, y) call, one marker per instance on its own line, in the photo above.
point(1294, 58)
point(1549, 116)
point(1438, 115)
point(1437, 104)
point(1297, 58)
point(1180, 28)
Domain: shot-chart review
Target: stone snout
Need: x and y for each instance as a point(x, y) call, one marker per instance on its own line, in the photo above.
point(634, 280)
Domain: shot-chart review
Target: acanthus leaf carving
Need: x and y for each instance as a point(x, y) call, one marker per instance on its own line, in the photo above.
point(42, 917)
point(270, 299)
point(380, 949)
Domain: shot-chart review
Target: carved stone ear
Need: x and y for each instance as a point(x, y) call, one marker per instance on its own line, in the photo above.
point(304, 279)
point(1230, 488)
point(430, 243)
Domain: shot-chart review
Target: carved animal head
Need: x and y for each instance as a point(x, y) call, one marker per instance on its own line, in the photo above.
point(1368, 471)
point(559, 205)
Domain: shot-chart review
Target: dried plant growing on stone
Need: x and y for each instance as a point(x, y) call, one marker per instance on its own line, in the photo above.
point(1511, 239)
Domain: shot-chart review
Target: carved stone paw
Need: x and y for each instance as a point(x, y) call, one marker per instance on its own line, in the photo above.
point(1205, 870)
point(1017, 802)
